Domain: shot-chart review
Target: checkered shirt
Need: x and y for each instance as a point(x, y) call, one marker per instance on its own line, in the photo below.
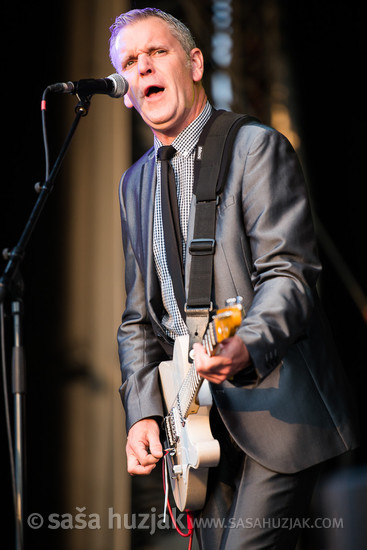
point(183, 167)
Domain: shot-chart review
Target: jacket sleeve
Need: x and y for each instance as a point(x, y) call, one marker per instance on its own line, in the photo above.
point(139, 349)
point(284, 264)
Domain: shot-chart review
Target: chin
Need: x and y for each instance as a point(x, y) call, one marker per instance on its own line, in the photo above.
point(160, 125)
point(159, 116)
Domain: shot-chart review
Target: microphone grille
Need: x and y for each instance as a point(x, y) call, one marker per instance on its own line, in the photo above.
point(121, 85)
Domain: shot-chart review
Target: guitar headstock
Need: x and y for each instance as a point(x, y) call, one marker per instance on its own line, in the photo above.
point(227, 320)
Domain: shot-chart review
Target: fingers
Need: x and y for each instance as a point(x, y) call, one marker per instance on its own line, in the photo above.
point(215, 369)
point(134, 467)
point(233, 357)
point(156, 449)
point(143, 448)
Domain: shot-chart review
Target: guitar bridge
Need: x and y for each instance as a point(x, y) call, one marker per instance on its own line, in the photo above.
point(169, 426)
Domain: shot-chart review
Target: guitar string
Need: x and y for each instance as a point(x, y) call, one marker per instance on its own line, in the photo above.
point(193, 380)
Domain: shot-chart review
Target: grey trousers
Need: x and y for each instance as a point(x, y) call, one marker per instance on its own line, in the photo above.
point(249, 507)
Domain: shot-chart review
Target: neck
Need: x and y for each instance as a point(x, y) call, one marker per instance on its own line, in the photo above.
point(166, 137)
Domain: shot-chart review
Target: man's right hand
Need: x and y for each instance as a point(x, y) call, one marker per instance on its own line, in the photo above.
point(143, 447)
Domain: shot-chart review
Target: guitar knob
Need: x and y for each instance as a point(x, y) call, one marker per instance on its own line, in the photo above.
point(177, 469)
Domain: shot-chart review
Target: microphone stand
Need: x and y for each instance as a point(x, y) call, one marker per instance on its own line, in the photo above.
point(11, 285)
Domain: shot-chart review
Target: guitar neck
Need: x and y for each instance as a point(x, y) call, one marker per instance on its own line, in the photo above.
point(193, 381)
point(224, 324)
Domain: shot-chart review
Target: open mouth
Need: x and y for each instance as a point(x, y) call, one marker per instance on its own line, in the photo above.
point(153, 90)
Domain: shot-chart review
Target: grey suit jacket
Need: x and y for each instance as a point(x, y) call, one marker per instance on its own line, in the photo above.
point(297, 412)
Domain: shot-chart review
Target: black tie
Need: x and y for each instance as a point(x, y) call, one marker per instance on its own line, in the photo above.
point(171, 224)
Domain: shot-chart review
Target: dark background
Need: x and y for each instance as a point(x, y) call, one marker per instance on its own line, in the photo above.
point(325, 43)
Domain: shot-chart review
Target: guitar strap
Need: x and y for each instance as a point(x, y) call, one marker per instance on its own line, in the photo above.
point(212, 163)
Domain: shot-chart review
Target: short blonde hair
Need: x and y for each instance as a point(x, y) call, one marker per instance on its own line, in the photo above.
point(177, 28)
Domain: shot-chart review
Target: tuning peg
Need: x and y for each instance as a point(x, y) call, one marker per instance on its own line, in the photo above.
point(234, 301)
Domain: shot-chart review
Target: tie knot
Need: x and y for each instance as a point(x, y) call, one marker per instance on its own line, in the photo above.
point(166, 152)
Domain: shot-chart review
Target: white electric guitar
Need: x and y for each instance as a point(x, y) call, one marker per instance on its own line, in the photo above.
point(191, 449)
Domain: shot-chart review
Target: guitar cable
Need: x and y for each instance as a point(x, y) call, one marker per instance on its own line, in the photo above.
point(167, 505)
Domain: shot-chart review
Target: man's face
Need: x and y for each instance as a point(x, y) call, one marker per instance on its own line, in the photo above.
point(163, 82)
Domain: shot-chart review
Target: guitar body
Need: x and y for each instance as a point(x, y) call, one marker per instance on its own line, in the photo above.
point(191, 449)
point(195, 449)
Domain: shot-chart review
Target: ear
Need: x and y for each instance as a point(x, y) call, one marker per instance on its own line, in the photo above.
point(197, 64)
point(127, 102)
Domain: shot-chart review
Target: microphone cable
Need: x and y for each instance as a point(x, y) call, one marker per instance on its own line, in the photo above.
point(44, 134)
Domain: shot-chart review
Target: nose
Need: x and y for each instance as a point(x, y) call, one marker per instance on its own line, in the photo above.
point(145, 65)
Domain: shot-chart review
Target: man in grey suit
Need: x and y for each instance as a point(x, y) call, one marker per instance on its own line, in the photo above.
point(280, 403)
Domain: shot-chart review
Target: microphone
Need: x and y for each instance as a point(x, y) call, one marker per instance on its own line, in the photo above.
point(114, 85)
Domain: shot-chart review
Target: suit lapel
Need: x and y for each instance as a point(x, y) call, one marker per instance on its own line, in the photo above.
point(148, 182)
point(147, 195)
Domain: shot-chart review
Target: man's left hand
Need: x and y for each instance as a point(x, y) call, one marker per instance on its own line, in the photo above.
point(232, 357)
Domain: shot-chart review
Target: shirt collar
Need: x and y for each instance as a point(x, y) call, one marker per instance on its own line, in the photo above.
point(186, 140)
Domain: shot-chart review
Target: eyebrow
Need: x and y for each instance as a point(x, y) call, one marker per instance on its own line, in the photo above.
point(149, 49)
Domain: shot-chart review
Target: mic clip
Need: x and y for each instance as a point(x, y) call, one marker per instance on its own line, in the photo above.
point(82, 107)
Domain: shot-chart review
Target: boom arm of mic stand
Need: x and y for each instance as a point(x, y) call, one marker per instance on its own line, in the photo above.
point(16, 255)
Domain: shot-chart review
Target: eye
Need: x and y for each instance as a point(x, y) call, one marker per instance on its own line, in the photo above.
point(129, 63)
